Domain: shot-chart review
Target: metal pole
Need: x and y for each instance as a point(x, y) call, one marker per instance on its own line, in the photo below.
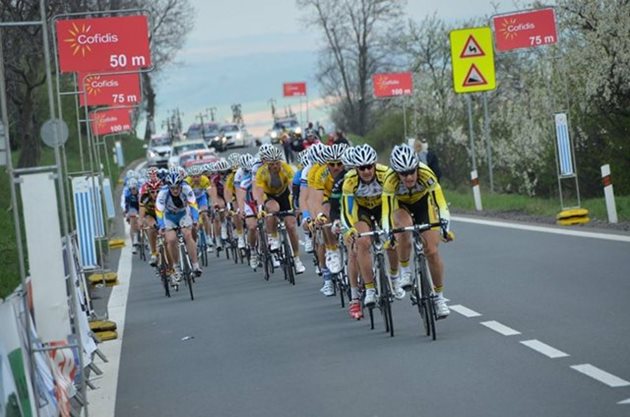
point(471, 134)
point(76, 107)
point(405, 118)
point(486, 132)
point(61, 185)
point(16, 216)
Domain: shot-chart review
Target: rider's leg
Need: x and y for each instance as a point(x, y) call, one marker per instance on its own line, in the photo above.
point(403, 246)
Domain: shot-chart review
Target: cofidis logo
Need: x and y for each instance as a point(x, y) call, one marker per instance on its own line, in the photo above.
point(80, 38)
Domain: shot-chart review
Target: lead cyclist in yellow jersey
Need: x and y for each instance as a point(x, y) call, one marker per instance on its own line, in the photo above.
point(273, 194)
point(361, 202)
point(412, 195)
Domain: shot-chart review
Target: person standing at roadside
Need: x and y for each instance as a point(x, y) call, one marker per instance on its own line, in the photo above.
point(426, 156)
point(285, 139)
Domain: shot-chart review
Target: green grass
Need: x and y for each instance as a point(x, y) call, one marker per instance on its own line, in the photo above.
point(9, 269)
point(463, 201)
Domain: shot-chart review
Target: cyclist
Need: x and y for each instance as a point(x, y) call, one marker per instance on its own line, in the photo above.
point(200, 185)
point(246, 202)
point(229, 195)
point(412, 195)
point(319, 197)
point(176, 207)
point(273, 194)
point(317, 163)
point(354, 307)
point(361, 207)
point(221, 169)
point(132, 207)
point(148, 218)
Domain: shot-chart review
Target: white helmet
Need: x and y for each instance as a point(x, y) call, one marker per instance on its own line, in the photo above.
point(334, 152)
point(270, 154)
point(316, 153)
point(246, 161)
point(222, 165)
point(403, 158)
point(347, 158)
point(364, 155)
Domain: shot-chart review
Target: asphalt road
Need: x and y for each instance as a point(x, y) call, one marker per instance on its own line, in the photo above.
point(257, 348)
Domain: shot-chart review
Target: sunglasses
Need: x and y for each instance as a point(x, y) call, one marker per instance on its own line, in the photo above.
point(335, 164)
point(407, 173)
point(365, 167)
point(174, 187)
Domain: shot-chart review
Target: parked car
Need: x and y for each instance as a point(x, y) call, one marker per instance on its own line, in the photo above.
point(230, 136)
point(159, 150)
point(184, 146)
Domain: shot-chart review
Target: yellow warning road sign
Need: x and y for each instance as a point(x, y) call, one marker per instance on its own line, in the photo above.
point(473, 60)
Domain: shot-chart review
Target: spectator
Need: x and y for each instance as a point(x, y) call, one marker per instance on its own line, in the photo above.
point(340, 137)
point(427, 157)
point(285, 139)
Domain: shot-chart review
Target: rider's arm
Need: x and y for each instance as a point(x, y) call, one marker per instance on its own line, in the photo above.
point(389, 201)
point(349, 208)
point(160, 206)
point(259, 184)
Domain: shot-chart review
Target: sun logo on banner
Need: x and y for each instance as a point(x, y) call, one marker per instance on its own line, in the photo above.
point(504, 29)
point(99, 122)
point(75, 33)
point(91, 90)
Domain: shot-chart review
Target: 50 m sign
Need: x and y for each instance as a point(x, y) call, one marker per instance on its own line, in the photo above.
point(103, 44)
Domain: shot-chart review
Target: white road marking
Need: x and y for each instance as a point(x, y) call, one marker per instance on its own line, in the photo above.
point(545, 349)
point(103, 400)
point(624, 401)
point(594, 235)
point(500, 328)
point(601, 376)
point(464, 311)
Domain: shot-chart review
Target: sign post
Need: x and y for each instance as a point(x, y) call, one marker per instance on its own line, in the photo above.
point(296, 89)
point(394, 84)
point(472, 57)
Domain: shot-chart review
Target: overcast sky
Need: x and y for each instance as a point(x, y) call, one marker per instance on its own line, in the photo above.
point(241, 51)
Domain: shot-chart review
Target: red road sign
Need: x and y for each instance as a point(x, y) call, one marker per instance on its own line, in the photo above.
point(294, 89)
point(103, 44)
point(392, 84)
point(110, 121)
point(525, 29)
point(110, 89)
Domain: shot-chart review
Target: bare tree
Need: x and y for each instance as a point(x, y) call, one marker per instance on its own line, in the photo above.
point(355, 41)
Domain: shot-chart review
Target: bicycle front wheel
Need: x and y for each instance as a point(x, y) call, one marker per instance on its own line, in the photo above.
point(425, 300)
point(385, 299)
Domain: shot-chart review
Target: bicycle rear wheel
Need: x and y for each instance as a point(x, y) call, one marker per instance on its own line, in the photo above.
point(288, 261)
point(187, 270)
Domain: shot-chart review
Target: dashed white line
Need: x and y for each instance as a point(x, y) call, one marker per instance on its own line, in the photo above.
point(464, 311)
point(624, 401)
point(601, 376)
point(545, 349)
point(500, 328)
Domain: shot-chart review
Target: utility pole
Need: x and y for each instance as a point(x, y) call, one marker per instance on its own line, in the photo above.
point(272, 102)
point(203, 129)
point(212, 111)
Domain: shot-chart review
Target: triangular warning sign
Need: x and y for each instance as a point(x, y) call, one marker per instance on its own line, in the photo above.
point(474, 77)
point(472, 49)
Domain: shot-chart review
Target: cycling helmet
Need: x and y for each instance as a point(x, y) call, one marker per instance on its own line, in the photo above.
point(161, 174)
point(315, 153)
point(264, 149)
point(132, 184)
point(403, 158)
point(152, 173)
point(246, 161)
point(364, 155)
point(130, 174)
point(194, 170)
point(335, 152)
point(270, 154)
point(233, 159)
point(173, 177)
point(154, 184)
point(222, 165)
point(303, 157)
point(142, 173)
point(347, 158)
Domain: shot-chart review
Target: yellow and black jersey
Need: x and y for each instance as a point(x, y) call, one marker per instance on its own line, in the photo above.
point(395, 192)
point(324, 181)
point(274, 184)
point(313, 175)
point(356, 193)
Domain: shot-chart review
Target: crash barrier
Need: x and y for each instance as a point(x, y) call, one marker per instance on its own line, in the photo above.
point(573, 216)
point(88, 213)
point(41, 375)
point(109, 198)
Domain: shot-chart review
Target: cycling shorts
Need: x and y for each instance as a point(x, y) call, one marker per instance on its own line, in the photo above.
point(370, 216)
point(175, 220)
point(250, 209)
point(420, 211)
point(283, 200)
